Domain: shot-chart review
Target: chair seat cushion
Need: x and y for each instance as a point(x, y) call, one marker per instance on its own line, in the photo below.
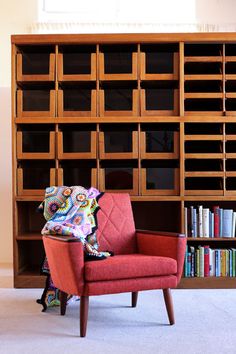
point(129, 266)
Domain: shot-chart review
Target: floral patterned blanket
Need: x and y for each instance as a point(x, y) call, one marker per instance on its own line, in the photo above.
point(70, 211)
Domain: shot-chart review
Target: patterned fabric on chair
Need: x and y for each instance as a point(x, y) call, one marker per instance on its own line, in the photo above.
point(143, 260)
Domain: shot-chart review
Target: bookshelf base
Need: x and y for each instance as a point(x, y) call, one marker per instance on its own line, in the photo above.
point(208, 283)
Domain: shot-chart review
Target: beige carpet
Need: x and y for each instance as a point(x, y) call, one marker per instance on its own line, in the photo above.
point(205, 323)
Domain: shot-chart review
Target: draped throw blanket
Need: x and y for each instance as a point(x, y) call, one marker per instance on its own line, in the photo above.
point(70, 211)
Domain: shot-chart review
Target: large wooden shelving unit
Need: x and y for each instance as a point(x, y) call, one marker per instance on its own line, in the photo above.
point(151, 114)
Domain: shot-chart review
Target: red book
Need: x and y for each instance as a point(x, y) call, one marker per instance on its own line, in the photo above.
point(216, 210)
point(206, 262)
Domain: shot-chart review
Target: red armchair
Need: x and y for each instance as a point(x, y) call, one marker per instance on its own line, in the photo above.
point(143, 260)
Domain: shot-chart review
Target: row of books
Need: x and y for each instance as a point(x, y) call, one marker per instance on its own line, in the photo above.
point(203, 222)
point(203, 261)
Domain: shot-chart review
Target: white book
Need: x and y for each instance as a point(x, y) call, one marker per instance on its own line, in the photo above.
point(234, 224)
point(201, 261)
point(205, 222)
point(212, 262)
point(227, 223)
point(200, 230)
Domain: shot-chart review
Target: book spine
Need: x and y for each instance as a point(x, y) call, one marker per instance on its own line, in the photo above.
point(227, 222)
point(206, 262)
point(200, 229)
point(216, 211)
point(205, 222)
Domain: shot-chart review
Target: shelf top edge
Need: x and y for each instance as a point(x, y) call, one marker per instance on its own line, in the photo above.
point(122, 38)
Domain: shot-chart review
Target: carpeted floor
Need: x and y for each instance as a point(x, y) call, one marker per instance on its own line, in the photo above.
point(205, 323)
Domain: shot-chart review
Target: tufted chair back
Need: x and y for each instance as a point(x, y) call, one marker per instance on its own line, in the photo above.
point(116, 229)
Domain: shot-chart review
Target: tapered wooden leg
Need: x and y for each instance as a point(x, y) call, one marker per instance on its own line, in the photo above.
point(134, 298)
point(63, 302)
point(169, 305)
point(84, 306)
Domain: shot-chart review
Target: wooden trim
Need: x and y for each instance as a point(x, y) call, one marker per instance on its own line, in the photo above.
point(124, 38)
point(133, 191)
point(150, 192)
point(60, 177)
point(35, 155)
point(77, 77)
point(61, 155)
point(118, 155)
point(161, 112)
point(62, 113)
point(159, 155)
point(30, 192)
point(30, 114)
point(113, 77)
point(133, 112)
point(35, 77)
point(167, 76)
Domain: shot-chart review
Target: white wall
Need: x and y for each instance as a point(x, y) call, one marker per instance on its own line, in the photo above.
point(21, 16)
point(15, 17)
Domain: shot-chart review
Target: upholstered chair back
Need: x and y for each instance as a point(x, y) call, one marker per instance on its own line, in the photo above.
point(116, 229)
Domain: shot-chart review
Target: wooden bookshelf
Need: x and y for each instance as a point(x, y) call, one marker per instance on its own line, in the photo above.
point(153, 115)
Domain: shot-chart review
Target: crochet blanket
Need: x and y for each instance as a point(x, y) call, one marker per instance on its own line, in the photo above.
point(69, 211)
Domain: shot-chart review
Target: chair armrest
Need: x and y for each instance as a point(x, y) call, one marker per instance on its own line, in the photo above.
point(165, 244)
point(65, 257)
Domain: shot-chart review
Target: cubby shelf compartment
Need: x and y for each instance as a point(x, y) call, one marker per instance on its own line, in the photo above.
point(29, 262)
point(76, 144)
point(158, 144)
point(118, 144)
point(38, 66)
point(159, 62)
point(118, 102)
point(73, 173)
point(34, 178)
point(29, 221)
point(35, 103)
point(35, 144)
point(77, 63)
point(159, 102)
point(204, 183)
point(160, 178)
point(118, 177)
point(77, 102)
point(118, 63)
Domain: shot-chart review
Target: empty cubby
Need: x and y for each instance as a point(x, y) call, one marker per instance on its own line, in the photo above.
point(203, 106)
point(230, 97)
point(35, 101)
point(77, 173)
point(77, 100)
point(160, 177)
point(34, 176)
point(77, 63)
point(30, 257)
point(203, 50)
point(157, 215)
point(75, 141)
point(159, 141)
point(118, 62)
point(35, 63)
point(30, 221)
point(119, 176)
point(118, 99)
point(35, 141)
point(204, 165)
point(160, 61)
point(210, 185)
point(159, 98)
point(118, 141)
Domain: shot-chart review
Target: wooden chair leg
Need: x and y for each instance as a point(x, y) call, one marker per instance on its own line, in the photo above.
point(134, 298)
point(63, 302)
point(84, 306)
point(169, 305)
